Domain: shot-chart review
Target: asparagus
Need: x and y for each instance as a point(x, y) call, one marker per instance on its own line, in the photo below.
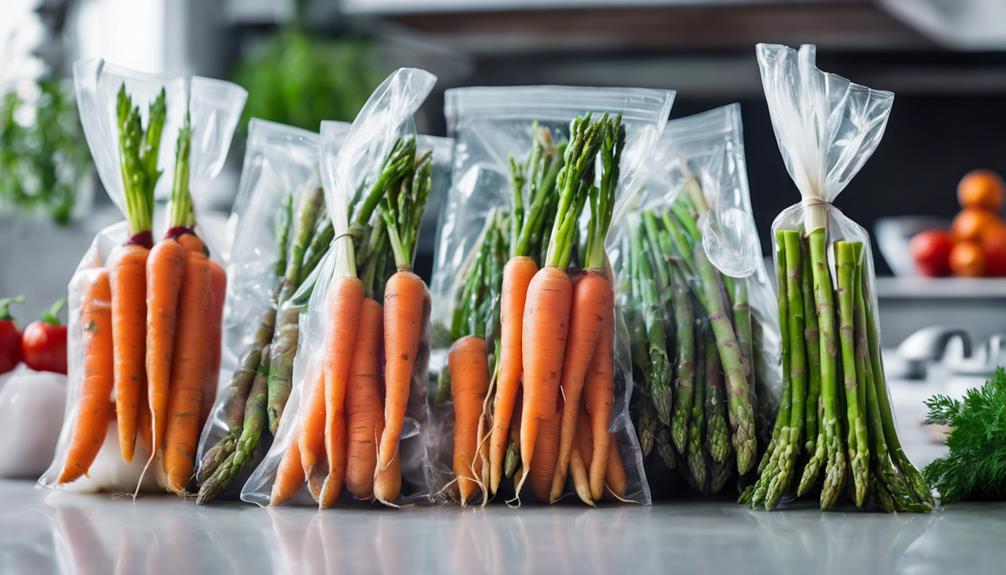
point(660, 366)
point(665, 450)
point(685, 364)
point(696, 424)
point(287, 332)
point(742, 321)
point(254, 423)
point(858, 446)
point(647, 429)
point(717, 429)
point(813, 353)
point(782, 414)
point(788, 446)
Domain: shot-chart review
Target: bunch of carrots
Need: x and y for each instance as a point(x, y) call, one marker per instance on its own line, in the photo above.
point(693, 348)
point(152, 319)
point(551, 343)
point(352, 413)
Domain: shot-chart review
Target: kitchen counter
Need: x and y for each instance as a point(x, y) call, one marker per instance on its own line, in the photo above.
point(46, 532)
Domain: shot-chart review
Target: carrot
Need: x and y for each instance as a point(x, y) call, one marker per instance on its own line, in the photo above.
point(311, 438)
point(517, 276)
point(191, 242)
point(364, 412)
point(289, 474)
point(542, 468)
point(165, 268)
point(94, 408)
point(469, 384)
point(345, 297)
point(188, 369)
point(214, 326)
point(599, 397)
point(592, 295)
point(388, 481)
point(546, 323)
point(406, 311)
point(128, 268)
point(580, 460)
point(615, 477)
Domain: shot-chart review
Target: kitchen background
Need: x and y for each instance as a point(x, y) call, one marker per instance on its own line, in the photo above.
point(304, 61)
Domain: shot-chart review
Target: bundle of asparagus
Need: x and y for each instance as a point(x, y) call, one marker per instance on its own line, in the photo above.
point(834, 428)
point(693, 325)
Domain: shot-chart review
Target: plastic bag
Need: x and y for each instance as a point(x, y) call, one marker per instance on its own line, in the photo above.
point(214, 107)
point(826, 128)
point(385, 121)
point(492, 127)
point(280, 165)
point(696, 199)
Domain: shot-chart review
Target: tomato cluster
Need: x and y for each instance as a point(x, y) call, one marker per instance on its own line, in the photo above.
point(42, 345)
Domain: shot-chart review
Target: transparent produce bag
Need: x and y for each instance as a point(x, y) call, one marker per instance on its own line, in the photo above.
point(700, 306)
point(834, 428)
point(496, 131)
point(377, 161)
point(279, 175)
point(92, 456)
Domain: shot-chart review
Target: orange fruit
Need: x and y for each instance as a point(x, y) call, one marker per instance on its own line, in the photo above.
point(973, 223)
point(981, 189)
point(967, 260)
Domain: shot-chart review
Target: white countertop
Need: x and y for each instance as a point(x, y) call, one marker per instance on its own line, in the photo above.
point(43, 532)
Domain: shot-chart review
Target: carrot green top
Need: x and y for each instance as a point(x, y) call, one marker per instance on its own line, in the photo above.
point(138, 153)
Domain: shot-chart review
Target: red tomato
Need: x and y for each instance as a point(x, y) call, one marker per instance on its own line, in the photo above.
point(971, 224)
point(994, 249)
point(931, 251)
point(10, 337)
point(43, 342)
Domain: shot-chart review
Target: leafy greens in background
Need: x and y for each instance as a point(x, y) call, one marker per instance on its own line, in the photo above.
point(299, 79)
point(975, 468)
point(42, 161)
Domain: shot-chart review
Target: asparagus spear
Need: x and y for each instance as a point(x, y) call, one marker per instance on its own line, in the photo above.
point(813, 347)
point(696, 424)
point(717, 428)
point(685, 363)
point(859, 450)
point(287, 330)
point(660, 366)
point(782, 415)
point(254, 423)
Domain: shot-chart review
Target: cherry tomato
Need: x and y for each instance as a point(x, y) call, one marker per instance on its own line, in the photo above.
point(994, 250)
point(931, 251)
point(43, 342)
point(981, 189)
point(967, 260)
point(10, 337)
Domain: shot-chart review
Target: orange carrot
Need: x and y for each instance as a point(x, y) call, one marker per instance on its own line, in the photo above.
point(599, 397)
point(591, 296)
point(214, 326)
point(517, 276)
point(545, 327)
point(469, 384)
point(542, 468)
point(406, 311)
point(345, 297)
point(289, 474)
point(364, 412)
point(165, 268)
point(388, 481)
point(580, 460)
point(128, 269)
point(312, 428)
point(94, 408)
point(188, 369)
point(191, 242)
point(615, 477)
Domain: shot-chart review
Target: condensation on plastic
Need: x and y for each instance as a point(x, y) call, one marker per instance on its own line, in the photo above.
point(489, 126)
point(345, 167)
point(215, 107)
point(827, 127)
point(709, 147)
point(279, 160)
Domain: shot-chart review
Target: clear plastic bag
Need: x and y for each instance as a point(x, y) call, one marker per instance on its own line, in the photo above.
point(386, 118)
point(280, 161)
point(490, 126)
point(214, 107)
point(826, 128)
point(696, 198)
